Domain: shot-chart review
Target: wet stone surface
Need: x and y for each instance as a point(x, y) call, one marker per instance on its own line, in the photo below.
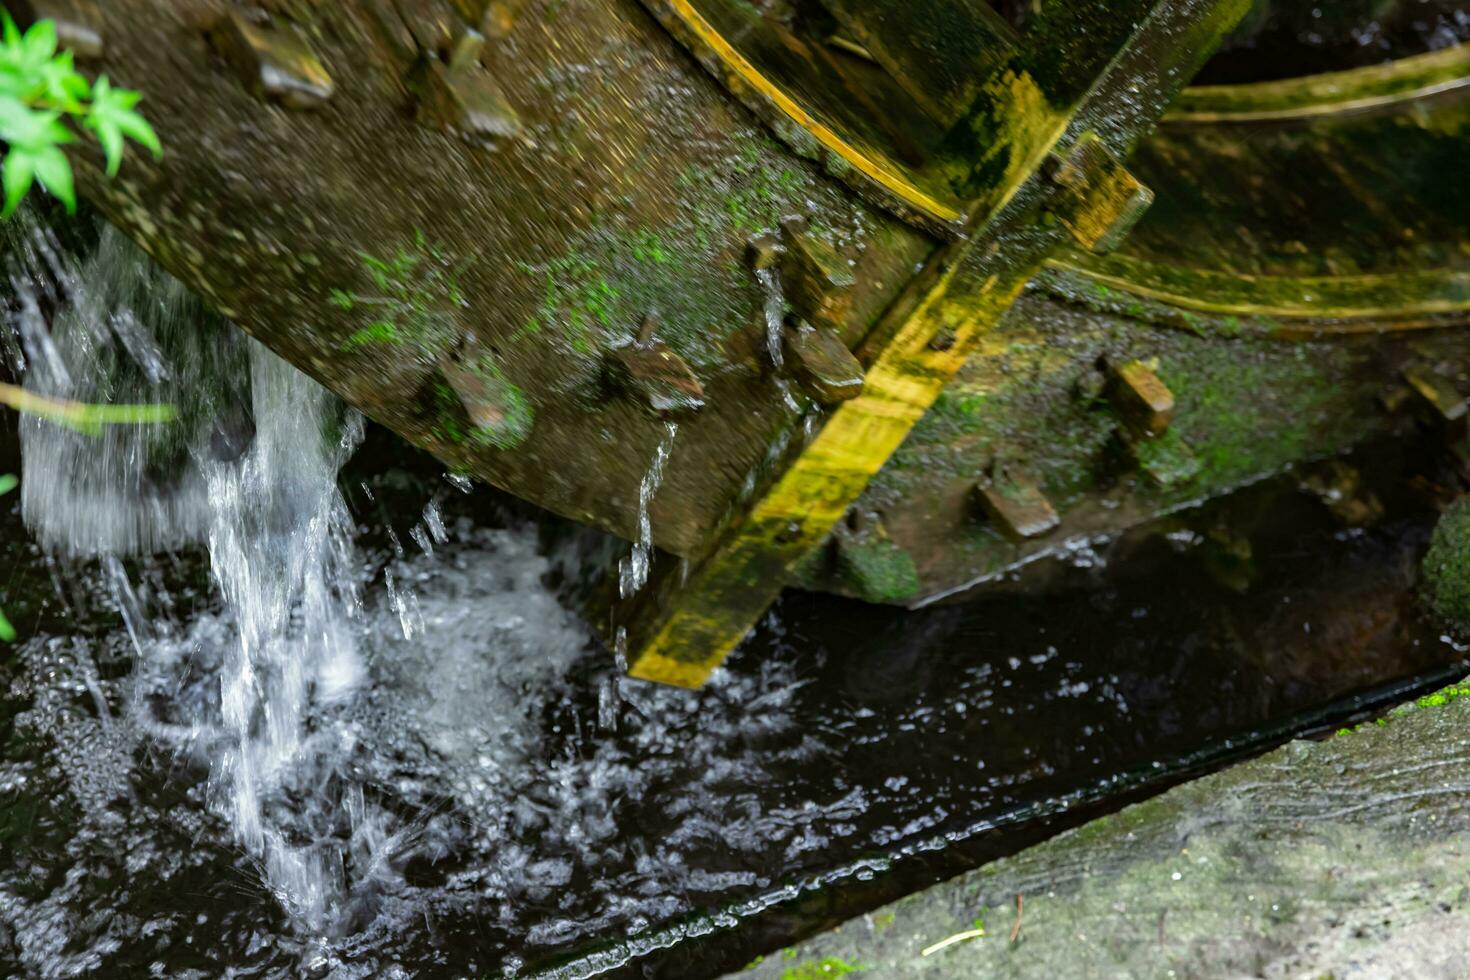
point(1342, 858)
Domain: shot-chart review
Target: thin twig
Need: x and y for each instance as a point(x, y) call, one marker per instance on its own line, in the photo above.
point(82, 416)
point(958, 937)
point(1020, 911)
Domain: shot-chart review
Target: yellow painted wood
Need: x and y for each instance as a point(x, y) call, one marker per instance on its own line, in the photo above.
point(690, 623)
point(1106, 199)
point(1404, 298)
point(1332, 93)
point(726, 595)
point(880, 171)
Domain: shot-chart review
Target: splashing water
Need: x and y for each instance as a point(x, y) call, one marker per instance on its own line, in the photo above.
point(472, 807)
point(249, 470)
point(122, 331)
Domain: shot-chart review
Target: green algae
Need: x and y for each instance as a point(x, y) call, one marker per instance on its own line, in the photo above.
point(1256, 410)
point(414, 301)
point(1447, 566)
point(830, 966)
point(1167, 460)
point(877, 570)
point(688, 266)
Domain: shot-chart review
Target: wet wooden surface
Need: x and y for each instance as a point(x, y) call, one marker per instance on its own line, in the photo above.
point(633, 188)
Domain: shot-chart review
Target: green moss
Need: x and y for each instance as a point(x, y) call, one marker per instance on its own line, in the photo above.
point(414, 299)
point(753, 190)
point(822, 969)
point(578, 301)
point(1443, 697)
point(377, 332)
point(1029, 416)
point(683, 259)
point(877, 570)
point(1256, 409)
point(1447, 566)
point(1167, 460)
point(615, 277)
point(1438, 699)
point(515, 413)
point(960, 405)
point(514, 428)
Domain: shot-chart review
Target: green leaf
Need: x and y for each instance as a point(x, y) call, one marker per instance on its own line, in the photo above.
point(54, 172)
point(138, 130)
point(24, 127)
point(12, 33)
point(111, 117)
point(8, 482)
point(16, 173)
point(60, 87)
point(40, 41)
point(7, 632)
point(111, 139)
point(14, 114)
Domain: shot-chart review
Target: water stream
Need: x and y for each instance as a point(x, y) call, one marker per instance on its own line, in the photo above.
point(280, 548)
point(633, 571)
point(774, 311)
point(281, 712)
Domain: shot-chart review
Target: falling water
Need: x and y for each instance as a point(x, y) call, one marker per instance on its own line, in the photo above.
point(250, 471)
point(775, 311)
point(633, 572)
point(472, 807)
point(280, 549)
point(114, 328)
point(632, 576)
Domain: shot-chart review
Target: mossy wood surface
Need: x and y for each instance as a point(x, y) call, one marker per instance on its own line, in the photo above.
point(681, 631)
point(1271, 281)
point(631, 188)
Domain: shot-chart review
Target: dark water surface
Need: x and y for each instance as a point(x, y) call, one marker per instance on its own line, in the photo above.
point(512, 812)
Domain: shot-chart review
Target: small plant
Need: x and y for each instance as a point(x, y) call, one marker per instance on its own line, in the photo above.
point(43, 99)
